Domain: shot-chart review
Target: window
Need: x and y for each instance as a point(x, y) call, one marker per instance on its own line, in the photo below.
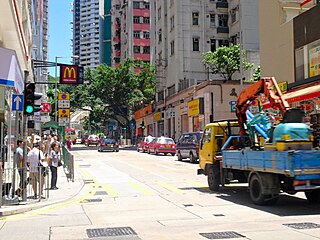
point(195, 18)
point(212, 45)
point(136, 34)
point(136, 19)
point(146, 35)
point(147, 5)
point(159, 13)
point(223, 20)
point(223, 42)
point(172, 23)
point(136, 49)
point(136, 4)
point(146, 20)
point(146, 49)
point(172, 48)
point(160, 35)
point(195, 44)
point(212, 20)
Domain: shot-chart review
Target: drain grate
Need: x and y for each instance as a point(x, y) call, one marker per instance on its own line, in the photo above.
point(106, 232)
point(84, 165)
point(306, 225)
point(218, 215)
point(86, 181)
point(101, 193)
point(187, 205)
point(221, 235)
point(91, 200)
point(187, 188)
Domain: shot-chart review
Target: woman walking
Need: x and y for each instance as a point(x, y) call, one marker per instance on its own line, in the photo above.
point(54, 159)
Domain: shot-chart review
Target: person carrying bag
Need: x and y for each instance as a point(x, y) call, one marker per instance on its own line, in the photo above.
point(54, 164)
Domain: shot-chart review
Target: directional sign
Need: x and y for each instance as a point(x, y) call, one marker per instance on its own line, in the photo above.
point(17, 102)
point(63, 96)
point(233, 106)
point(63, 103)
point(64, 113)
point(64, 121)
point(46, 107)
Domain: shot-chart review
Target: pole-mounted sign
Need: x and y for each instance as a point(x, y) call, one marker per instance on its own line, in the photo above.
point(71, 74)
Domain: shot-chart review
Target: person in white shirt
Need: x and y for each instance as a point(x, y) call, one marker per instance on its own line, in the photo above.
point(34, 157)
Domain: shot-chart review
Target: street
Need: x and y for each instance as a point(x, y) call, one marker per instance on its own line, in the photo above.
point(131, 195)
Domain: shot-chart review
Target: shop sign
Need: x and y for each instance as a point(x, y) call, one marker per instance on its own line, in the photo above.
point(307, 107)
point(314, 61)
point(196, 107)
point(157, 116)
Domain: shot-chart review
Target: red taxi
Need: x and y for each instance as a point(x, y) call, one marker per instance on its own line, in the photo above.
point(162, 145)
point(143, 144)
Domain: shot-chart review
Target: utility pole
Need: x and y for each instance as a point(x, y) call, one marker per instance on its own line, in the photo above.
point(241, 46)
point(25, 135)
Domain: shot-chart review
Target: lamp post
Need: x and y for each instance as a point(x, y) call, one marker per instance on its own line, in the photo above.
point(56, 85)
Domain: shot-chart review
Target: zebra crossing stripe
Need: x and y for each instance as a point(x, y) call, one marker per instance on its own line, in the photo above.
point(140, 188)
point(170, 187)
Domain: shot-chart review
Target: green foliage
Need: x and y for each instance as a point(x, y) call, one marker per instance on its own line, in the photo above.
point(257, 74)
point(226, 61)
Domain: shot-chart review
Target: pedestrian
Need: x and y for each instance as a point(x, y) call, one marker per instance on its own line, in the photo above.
point(35, 160)
point(69, 143)
point(53, 163)
point(19, 165)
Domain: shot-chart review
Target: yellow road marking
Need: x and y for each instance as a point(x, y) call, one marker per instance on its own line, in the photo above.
point(170, 187)
point(195, 184)
point(110, 190)
point(140, 188)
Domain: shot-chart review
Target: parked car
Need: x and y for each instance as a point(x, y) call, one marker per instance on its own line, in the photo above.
point(143, 144)
point(188, 146)
point(92, 140)
point(107, 144)
point(84, 139)
point(162, 145)
point(78, 140)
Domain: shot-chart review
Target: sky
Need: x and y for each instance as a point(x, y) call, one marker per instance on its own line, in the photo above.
point(60, 32)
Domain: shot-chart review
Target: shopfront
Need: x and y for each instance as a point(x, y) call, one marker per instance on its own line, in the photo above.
point(196, 112)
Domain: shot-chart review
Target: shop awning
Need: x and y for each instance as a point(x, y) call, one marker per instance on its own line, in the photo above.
point(10, 72)
point(303, 94)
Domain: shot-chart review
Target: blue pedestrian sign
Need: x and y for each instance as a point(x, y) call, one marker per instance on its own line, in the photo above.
point(17, 102)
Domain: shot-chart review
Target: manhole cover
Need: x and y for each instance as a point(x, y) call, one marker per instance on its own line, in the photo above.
point(221, 235)
point(306, 225)
point(84, 165)
point(101, 193)
point(91, 200)
point(106, 232)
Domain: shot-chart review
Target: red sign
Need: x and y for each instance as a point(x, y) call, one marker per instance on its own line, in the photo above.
point(46, 107)
point(69, 74)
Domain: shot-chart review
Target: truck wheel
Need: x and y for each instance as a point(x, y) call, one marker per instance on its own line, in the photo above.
point(193, 159)
point(255, 189)
point(179, 156)
point(214, 178)
point(313, 196)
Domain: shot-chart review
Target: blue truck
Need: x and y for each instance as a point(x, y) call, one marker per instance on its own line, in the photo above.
point(271, 159)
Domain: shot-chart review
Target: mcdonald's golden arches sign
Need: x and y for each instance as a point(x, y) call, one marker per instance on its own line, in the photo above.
point(68, 74)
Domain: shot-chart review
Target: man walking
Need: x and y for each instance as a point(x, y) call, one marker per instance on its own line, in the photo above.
point(19, 165)
point(35, 156)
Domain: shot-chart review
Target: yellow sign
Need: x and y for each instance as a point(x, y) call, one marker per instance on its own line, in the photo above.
point(63, 96)
point(64, 113)
point(195, 107)
point(157, 116)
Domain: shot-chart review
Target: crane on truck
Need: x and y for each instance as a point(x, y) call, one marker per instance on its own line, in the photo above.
point(285, 162)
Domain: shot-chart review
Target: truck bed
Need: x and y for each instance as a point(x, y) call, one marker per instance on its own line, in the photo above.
point(301, 164)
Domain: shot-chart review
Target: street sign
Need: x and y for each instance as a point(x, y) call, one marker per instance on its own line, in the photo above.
point(17, 102)
point(233, 106)
point(46, 107)
point(64, 121)
point(45, 118)
point(63, 96)
point(37, 117)
point(64, 113)
point(63, 104)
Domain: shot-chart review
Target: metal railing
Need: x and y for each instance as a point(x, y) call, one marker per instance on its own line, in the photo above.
point(68, 163)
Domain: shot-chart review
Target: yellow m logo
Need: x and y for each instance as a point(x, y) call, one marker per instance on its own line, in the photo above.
point(70, 72)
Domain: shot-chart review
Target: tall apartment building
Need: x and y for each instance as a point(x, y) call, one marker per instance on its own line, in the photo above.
point(131, 30)
point(92, 32)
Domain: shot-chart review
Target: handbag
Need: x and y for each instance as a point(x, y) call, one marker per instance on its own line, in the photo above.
point(59, 163)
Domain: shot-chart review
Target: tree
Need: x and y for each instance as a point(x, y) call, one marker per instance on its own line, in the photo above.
point(226, 61)
point(257, 74)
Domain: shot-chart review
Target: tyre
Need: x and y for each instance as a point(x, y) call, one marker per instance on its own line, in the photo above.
point(313, 196)
point(179, 156)
point(255, 189)
point(214, 178)
point(172, 154)
point(193, 159)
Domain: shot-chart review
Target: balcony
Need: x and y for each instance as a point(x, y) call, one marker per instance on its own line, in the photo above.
point(222, 5)
point(222, 30)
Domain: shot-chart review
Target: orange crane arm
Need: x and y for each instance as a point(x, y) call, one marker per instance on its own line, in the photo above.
point(264, 85)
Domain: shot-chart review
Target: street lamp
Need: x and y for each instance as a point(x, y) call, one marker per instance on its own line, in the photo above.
point(56, 85)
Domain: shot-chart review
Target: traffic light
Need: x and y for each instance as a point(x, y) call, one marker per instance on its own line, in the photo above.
point(29, 97)
point(142, 125)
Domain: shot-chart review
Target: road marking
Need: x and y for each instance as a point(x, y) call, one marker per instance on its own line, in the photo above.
point(171, 168)
point(170, 187)
point(141, 188)
point(110, 190)
point(195, 184)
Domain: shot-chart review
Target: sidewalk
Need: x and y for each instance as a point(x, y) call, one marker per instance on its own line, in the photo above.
point(66, 191)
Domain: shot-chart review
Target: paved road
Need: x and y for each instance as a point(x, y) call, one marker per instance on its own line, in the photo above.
point(139, 196)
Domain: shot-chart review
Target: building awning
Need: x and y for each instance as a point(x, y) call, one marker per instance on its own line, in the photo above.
point(303, 94)
point(10, 72)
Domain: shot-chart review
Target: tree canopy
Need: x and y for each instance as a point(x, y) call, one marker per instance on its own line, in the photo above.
point(226, 61)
